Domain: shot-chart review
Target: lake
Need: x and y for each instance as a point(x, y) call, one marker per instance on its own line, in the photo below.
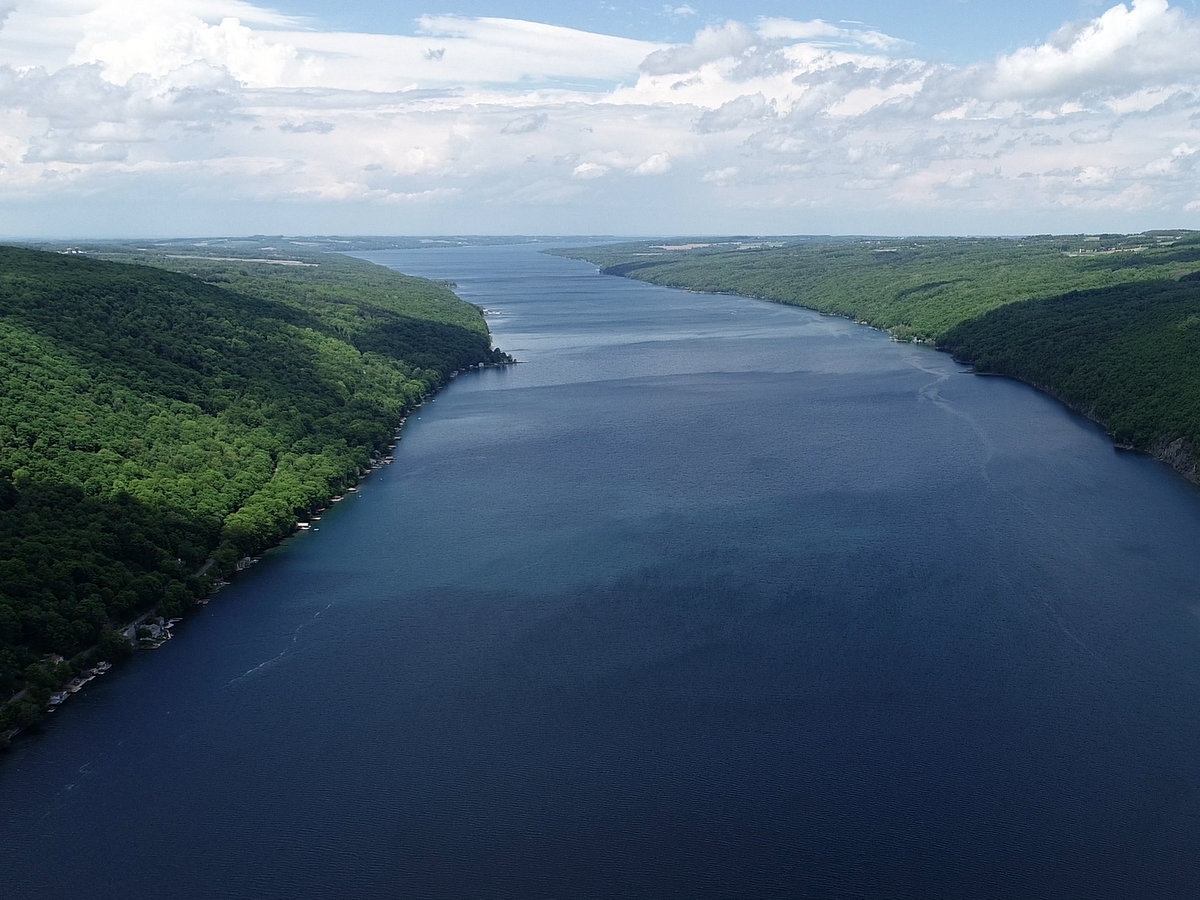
point(705, 597)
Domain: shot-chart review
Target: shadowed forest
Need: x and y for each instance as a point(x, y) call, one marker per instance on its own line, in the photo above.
point(160, 421)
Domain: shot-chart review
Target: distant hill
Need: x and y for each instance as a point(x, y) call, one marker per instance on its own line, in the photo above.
point(1109, 324)
point(1127, 357)
point(156, 424)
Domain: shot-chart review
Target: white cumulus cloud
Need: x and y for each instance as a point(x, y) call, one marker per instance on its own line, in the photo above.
point(767, 124)
point(1120, 49)
point(590, 170)
point(658, 164)
point(712, 44)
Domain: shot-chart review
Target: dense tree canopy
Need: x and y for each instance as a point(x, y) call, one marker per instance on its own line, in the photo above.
point(164, 419)
point(154, 420)
point(1110, 324)
point(917, 288)
point(1127, 356)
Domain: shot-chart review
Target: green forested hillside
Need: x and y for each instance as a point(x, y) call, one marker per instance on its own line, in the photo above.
point(917, 288)
point(1128, 357)
point(1109, 324)
point(151, 420)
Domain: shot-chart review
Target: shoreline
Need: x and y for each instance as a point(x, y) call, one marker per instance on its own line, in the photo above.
point(1176, 453)
point(158, 632)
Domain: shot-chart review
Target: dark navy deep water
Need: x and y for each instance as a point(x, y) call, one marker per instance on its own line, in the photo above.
point(707, 597)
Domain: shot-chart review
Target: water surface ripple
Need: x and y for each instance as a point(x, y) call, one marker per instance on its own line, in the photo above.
point(706, 597)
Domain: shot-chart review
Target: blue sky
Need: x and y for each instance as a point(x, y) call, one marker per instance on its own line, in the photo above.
point(197, 117)
point(959, 30)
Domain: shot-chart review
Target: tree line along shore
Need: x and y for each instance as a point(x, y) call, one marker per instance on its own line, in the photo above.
point(1108, 324)
point(169, 411)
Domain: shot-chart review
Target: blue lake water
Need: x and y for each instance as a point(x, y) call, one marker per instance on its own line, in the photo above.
point(706, 597)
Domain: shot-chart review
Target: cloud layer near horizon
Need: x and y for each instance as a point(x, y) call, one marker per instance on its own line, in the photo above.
point(111, 107)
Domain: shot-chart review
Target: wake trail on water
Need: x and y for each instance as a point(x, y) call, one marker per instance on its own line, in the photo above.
point(1046, 608)
point(931, 393)
point(266, 664)
point(60, 799)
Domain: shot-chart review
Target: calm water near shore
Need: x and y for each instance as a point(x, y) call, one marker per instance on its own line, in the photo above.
point(706, 597)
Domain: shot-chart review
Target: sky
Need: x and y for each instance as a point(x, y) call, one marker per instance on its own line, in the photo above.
point(187, 118)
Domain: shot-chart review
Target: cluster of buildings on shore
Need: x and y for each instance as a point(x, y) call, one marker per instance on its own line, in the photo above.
point(76, 684)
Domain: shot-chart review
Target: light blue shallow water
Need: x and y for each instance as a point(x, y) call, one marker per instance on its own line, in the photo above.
point(706, 597)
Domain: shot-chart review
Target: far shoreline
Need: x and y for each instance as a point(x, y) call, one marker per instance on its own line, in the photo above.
point(1176, 453)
